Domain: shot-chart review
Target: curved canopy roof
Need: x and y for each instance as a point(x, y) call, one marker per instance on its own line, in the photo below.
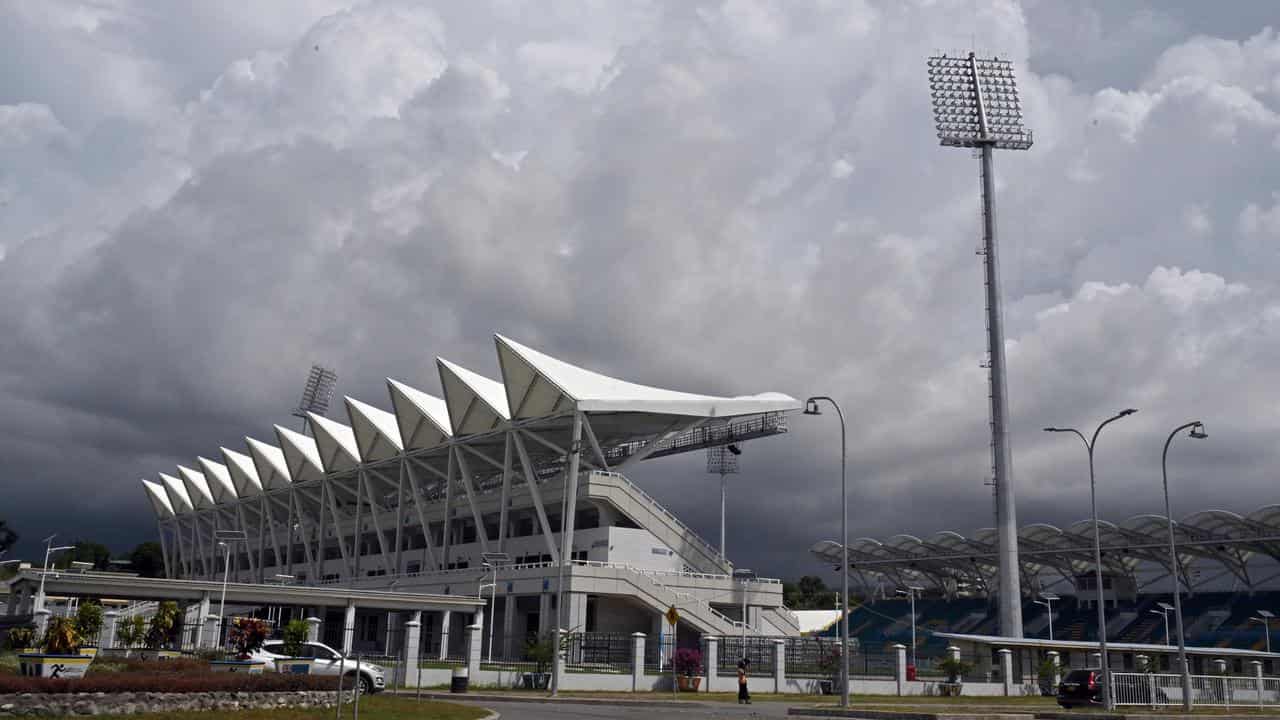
point(159, 498)
point(538, 395)
point(950, 561)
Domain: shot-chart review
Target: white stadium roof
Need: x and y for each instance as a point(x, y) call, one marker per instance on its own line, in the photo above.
point(534, 402)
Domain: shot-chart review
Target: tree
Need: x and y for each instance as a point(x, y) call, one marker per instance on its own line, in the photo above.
point(97, 554)
point(8, 537)
point(147, 559)
point(810, 593)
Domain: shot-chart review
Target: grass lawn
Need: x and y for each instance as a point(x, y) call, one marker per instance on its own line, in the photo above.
point(379, 707)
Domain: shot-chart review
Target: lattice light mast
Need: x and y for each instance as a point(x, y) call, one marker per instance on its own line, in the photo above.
point(723, 460)
point(975, 105)
point(317, 393)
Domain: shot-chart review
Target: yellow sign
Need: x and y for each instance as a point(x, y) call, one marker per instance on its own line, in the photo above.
point(673, 616)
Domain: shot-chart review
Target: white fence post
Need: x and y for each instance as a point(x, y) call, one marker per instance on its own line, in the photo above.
point(1257, 678)
point(637, 661)
point(107, 639)
point(711, 659)
point(412, 640)
point(900, 669)
point(1055, 658)
point(779, 665)
point(475, 634)
point(1006, 670)
point(313, 629)
point(212, 627)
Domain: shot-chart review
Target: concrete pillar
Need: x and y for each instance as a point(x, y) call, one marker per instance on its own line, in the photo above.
point(1053, 657)
point(107, 638)
point(1257, 678)
point(349, 628)
point(475, 634)
point(546, 618)
point(637, 661)
point(212, 634)
point(900, 667)
point(202, 613)
point(953, 652)
point(1220, 666)
point(313, 629)
point(779, 665)
point(1006, 670)
point(1095, 660)
point(444, 634)
point(508, 625)
point(42, 621)
point(1141, 662)
point(38, 601)
point(412, 644)
point(576, 606)
point(711, 659)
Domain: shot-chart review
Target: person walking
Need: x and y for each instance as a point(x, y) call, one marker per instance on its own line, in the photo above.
point(744, 697)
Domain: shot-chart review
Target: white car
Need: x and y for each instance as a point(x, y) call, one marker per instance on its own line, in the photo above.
point(328, 662)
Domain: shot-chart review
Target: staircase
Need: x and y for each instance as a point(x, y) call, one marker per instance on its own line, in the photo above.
point(646, 512)
point(1142, 632)
point(658, 597)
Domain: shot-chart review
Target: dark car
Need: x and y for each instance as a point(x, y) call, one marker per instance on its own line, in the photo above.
point(1084, 687)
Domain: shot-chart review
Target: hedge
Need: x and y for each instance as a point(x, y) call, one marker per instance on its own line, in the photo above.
point(164, 681)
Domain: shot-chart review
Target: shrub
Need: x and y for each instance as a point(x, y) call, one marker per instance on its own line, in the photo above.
point(132, 631)
point(295, 634)
point(541, 651)
point(247, 636)
point(168, 682)
point(89, 621)
point(163, 625)
point(61, 638)
point(688, 662)
point(954, 668)
point(21, 637)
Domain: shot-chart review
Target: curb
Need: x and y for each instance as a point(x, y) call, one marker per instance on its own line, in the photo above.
point(813, 711)
point(544, 700)
point(492, 715)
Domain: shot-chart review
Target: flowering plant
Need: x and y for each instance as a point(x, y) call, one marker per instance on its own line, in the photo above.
point(688, 662)
point(247, 636)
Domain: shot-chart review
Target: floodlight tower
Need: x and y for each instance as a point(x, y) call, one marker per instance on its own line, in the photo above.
point(722, 460)
point(975, 105)
point(316, 394)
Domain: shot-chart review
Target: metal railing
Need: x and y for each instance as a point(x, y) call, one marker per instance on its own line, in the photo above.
point(1165, 689)
point(599, 652)
point(660, 510)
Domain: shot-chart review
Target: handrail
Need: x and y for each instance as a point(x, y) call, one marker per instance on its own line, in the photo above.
point(579, 563)
point(708, 547)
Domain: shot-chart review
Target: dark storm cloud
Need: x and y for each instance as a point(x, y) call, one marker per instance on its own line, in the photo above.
point(722, 197)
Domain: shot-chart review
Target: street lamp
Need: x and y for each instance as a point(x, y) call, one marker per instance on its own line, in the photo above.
point(1164, 612)
point(811, 408)
point(745, 576)
point(1047, 600)
point(225, 538)
point(1264, 617)
point(1195, 430)
point(492, 560)
point(1108, 701)
point(49, 549)
point(911, 592)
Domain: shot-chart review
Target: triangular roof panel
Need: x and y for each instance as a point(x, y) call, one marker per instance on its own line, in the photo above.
point(179, 500)
point(538, 385)
point(423, 419)
point(219, 478)
point(197, 487)
point(273, 469)
point(244, 474)
point(159, 499)
point(476, 403)
point(301, 455)
point(377, 433)
point(336, 444)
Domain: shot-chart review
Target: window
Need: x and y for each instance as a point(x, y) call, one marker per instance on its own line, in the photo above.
point(413, 568)
point(321, 653)
point(274, 648)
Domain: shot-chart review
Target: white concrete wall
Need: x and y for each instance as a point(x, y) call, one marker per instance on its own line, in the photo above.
point(635, 547)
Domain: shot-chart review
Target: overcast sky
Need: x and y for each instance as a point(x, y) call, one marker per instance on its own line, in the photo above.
point(198, 201)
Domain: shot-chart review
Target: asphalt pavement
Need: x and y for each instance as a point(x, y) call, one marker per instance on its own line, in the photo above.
point(578, 711)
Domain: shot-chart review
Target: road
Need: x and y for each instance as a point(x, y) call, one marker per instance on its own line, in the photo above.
point(579, 711)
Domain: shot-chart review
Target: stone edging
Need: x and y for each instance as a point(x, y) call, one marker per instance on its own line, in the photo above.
point(544, 699)
point(130, 703)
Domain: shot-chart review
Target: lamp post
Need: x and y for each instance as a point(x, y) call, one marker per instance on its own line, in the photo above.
point(49, 550)
point(225, 538)
point(1108, 700)
point(811, 408)
point(492, 560)
point(745, 576)
point(1264, 617)
point(911, 592)
point(1047, 601)
point(1196, 430)
point(1163, 612)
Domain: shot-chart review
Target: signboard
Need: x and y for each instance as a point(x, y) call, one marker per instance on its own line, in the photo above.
point(673, 616)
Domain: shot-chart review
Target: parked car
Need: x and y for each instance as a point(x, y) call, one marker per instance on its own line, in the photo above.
point(1084, 687)
point(328, 662)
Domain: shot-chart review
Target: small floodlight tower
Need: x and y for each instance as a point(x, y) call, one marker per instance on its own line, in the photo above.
point(316, 394)
point(722, 460)
point(975, 105)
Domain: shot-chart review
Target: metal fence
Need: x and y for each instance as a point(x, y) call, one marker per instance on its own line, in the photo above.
point(658, 654)
point(1161, 689)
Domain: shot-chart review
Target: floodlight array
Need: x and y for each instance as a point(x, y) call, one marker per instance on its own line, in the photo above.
point(975, 102)
point(720, 461)
point(318, 392)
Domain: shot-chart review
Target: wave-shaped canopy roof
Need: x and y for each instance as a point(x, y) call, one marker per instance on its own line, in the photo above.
point(537, 395)
point(950, 561)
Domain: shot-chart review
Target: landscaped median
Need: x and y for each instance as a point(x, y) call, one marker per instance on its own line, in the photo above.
point(371, 708)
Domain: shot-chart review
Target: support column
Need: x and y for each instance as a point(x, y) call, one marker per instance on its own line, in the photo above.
point(1006, 670)
point(637, 661)
point(444, 634)
point(546, 620)
point(508, 624)
point(349, 627)
point(1053, 657)
point(711, 659)
point(779, 665)
point(211, 631)
point(313, 629)
point(412, 643)
point(42, 622)
point(110, 620)
point(201, 615)
point(577, 611)
point(1257, 679)
point(475, 634)
point(900, 667)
